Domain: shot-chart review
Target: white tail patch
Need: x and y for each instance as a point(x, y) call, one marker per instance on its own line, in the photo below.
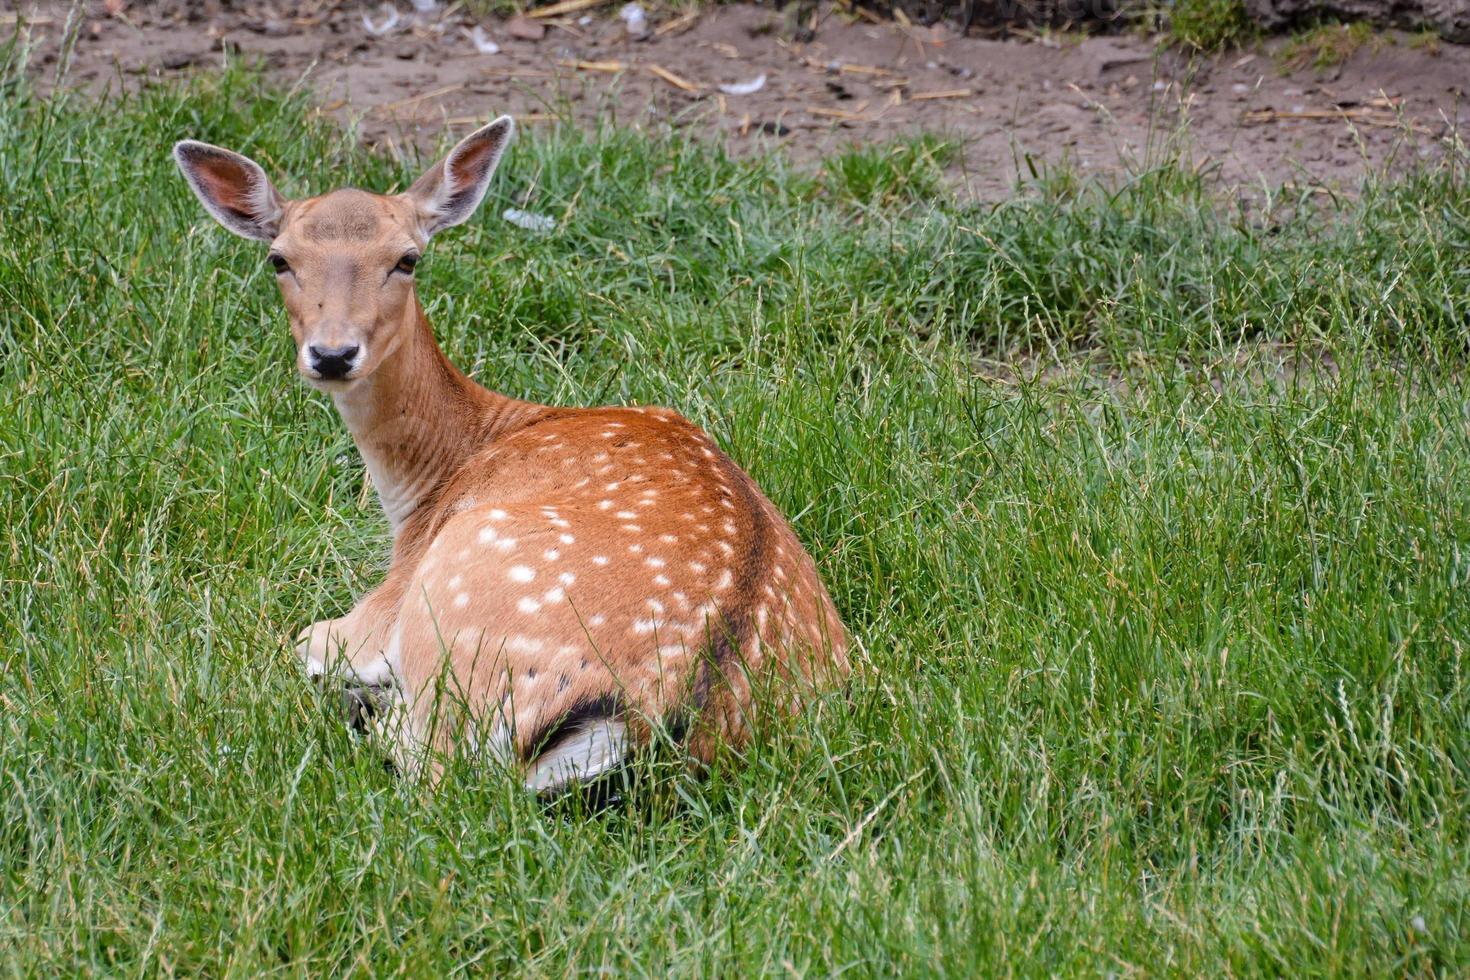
point(592, 749)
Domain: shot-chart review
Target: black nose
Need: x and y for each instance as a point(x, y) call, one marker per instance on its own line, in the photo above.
point(332, 363)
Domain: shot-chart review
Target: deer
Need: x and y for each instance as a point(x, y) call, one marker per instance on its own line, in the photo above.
point(570, 581)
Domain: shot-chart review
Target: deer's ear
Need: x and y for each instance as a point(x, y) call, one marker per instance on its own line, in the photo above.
point(233, 188)
point(450, 191)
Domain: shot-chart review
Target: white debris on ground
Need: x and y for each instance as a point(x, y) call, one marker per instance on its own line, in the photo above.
point(745, 88)
point(482, 43)
point(530, 221)
point(390, 20)
point(635, 21)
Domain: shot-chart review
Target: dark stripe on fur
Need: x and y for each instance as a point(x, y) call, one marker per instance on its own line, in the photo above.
point(585, 709)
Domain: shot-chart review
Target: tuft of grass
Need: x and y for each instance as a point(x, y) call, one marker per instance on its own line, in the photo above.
point(1153, 520)
point(903, 171)
point(1327, 46)
point(1426, 40)
point(1210, 25)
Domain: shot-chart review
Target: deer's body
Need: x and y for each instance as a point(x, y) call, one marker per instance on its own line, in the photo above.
point(562, 578)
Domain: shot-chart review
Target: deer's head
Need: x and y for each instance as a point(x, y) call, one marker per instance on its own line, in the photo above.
point(345, 260)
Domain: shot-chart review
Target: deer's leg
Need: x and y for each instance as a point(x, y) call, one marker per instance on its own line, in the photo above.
point(357, 647)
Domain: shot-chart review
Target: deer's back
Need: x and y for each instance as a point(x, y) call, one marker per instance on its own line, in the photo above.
point(612, 560)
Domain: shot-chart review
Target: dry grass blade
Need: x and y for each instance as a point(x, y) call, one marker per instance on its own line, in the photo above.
point(1361, 117)
point(950, 93)
point(672, 79)
point(608, 66)
point(388, 107)
point(678, 25)
point(814, 110)
point(851, 69)
point(565, 7)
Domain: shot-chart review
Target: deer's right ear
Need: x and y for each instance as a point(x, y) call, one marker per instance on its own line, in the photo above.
point(233, 188)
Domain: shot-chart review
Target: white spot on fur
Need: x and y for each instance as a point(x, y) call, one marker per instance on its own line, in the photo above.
point(521, 573)
point(496, 514)
point(551, 554)
point(625, 515)
point(566, 538)
point(727, 579)
point(566, 578)
point(655, 562)
point(660, 580)
point(599, 559)
point(462, 600)
point(528, 605)
point(556, 594)
point(488, 534)
point(604, 505)
point(456, 582)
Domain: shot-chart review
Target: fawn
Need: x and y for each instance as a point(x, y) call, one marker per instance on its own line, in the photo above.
point(573, 577)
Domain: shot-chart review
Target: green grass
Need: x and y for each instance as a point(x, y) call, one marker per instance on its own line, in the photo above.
point(1210, 25)
point(1153, 518)
point(1327, 46)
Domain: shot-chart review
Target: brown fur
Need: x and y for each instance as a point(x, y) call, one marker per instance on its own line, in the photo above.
point(553, 568)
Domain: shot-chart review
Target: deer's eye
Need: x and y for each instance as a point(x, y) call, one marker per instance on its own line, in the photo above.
point(279, 263)
point(407, 264)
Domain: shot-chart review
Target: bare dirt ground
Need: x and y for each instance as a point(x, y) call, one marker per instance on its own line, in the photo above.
point(1100, 104)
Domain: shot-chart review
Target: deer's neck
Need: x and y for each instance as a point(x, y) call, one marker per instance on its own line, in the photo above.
point(417, 418)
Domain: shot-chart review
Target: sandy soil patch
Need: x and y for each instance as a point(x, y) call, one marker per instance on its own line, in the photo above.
point(1098, 103)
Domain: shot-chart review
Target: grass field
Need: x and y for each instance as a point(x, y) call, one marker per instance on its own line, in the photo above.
point(1153, 518)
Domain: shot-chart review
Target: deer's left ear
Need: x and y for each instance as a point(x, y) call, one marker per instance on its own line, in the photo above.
point(233, 188)
point(450, 191)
